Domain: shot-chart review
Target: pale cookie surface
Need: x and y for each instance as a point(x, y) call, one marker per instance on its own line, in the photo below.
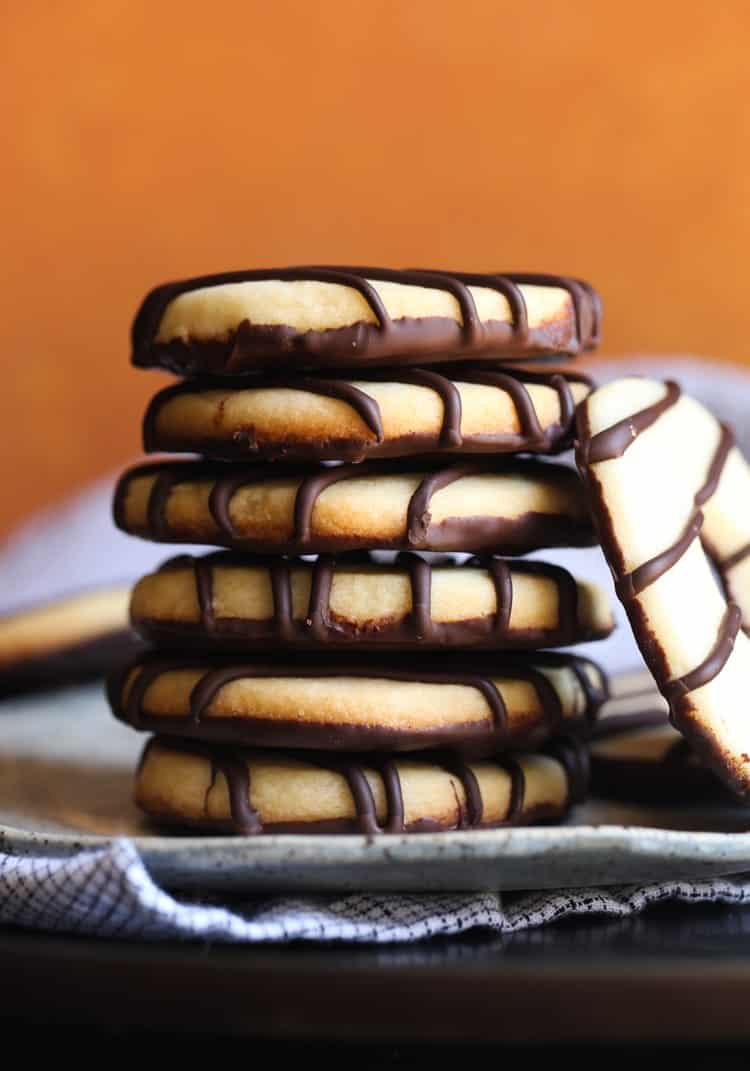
point(653, 459)
point(349, 317)
point(502, 507)
point(390, 704)
point(82, 635)
point(470, 409)
point(642, 757)
point(234, 603)
point(253, 792)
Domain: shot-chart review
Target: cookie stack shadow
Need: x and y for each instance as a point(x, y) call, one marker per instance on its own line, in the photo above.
point(334, 668)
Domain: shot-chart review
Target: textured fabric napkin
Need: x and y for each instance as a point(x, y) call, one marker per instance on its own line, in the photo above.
point(108, 893)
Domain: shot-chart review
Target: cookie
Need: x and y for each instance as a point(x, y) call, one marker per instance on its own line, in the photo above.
point(652, 460)
point(235, 603)
point(502, 507)
point(469, 409)
point(252, 792)
point(73, 638)
point(500, 703)
point(317, 317)
point(641, 758)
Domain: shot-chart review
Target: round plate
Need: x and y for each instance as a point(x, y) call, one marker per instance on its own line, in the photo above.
point(66, 771)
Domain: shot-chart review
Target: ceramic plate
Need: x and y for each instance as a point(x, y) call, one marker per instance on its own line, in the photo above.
point(66, 770)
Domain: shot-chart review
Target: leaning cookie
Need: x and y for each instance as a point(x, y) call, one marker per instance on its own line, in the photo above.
point(641, 445)
point(73, 638)
point(469, 409)
point(478, 706)
point(315, 317)
point(251, 792)
point(504, 507)
point(229, 603)
point(641, 758)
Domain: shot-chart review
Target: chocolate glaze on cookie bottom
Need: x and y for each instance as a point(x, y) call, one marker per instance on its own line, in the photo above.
point(676, 777)
point(470, 811)
point(87, 660)
point(245, 445)
point(320, 627)
point(516, 535)
point(482, 737)
point(387, 341)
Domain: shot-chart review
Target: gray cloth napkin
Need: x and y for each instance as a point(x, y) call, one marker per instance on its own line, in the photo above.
point(109, 893)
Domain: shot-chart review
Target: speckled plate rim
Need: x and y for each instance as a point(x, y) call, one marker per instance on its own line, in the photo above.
point(560, 857)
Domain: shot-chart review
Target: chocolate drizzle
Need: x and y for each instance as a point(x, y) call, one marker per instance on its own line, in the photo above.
point(735, 559)
point(712, 664)
point(469, 809)
point(477, 737)
point(614, 441)
point(237, 776)
point(514, 770)
point(319, 626)
point(244, 443)
point(403, 340)
point(635, 582)
point(716, 468)
point(508, 535)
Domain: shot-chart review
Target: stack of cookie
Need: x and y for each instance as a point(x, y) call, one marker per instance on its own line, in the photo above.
point(308, 678)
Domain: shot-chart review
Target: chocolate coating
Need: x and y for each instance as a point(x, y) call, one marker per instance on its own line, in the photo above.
point(675, 778)
point(401, 341)
point(320, 628)
point(69, 664)
point(245, 821)
point(474, 738)
point(244, 444)
point(530, 531)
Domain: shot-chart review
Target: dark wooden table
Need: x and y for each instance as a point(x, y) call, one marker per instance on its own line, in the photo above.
point(676, 974)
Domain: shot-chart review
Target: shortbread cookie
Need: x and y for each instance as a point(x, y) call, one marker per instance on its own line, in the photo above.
point(251, 792)
point(499, 703)
point(234, 603)
point(468, 409)
point(73, 638)
point(508, 508)
point(652, 459)
point(643, 759)
point(314, 317)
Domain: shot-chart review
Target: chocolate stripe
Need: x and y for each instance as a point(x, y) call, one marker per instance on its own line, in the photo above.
point(716, 468)
point(714, 662)
point(450, 431)
point(633, 583)
point(470, 811)
point(281, 587)
point(735, 559)
point(614, 441)
point(418, 515)
point(517, 777)
point(587, 306)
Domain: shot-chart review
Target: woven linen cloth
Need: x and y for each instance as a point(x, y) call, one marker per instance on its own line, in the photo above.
point(109, 893)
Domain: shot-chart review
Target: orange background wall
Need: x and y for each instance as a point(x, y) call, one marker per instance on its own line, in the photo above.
point(146, 140)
